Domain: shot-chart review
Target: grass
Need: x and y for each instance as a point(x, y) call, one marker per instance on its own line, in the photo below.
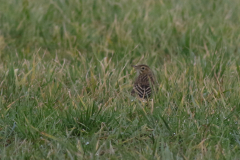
point(65, 79)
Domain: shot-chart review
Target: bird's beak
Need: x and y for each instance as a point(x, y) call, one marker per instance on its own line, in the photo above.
point(133, 66)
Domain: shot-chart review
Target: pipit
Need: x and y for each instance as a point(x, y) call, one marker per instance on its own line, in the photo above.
point(144, 81)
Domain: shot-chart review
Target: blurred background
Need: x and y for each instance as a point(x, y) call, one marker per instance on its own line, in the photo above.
point(157, 29)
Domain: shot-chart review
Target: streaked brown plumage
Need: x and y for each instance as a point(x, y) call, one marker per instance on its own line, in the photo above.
point(144, 81)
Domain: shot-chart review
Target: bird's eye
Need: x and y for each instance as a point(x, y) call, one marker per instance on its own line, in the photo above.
point(143, 68)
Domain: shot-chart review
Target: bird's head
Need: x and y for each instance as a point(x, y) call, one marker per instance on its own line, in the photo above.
point(142, 69)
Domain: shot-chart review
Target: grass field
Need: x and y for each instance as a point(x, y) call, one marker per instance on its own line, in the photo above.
point(66, 76)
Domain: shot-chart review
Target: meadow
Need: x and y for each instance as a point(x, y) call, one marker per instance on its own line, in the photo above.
point(66, 78)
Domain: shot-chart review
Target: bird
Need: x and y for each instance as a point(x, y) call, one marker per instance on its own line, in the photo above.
point(144, 81)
